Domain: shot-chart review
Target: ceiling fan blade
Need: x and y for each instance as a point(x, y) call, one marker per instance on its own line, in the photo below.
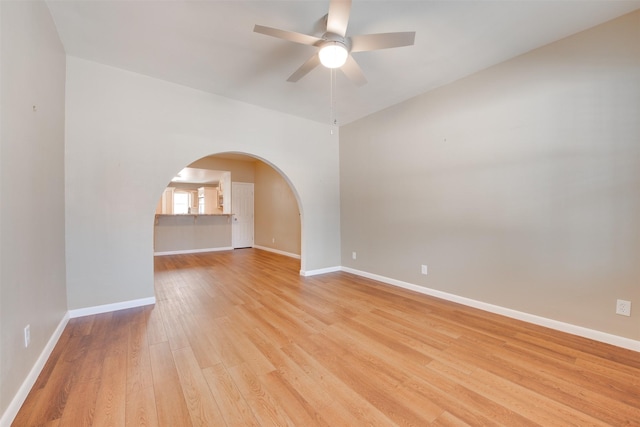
point(353, 71)
point(338, 17)
point(368, 42)
point(287, 35)
point(304, 69)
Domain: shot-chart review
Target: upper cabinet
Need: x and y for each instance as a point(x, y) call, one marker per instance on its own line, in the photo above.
point(208, 200)
point(224, 193)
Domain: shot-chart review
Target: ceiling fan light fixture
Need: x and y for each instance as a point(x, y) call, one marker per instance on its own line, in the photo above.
point(333, 54)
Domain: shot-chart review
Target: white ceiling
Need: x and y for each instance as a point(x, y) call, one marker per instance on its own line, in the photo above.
point(198, 176)
point(210, 45)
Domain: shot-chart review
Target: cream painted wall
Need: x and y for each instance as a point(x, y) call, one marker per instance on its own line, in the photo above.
point(32, 247)
point(518, 186)
point(276, 211)
point(128, 134)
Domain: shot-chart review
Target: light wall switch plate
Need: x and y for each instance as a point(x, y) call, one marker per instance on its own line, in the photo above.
point(27, 336)
point(623, 307)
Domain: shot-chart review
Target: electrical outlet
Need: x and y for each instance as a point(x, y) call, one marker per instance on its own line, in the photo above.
point(27, 336)
point(623, 307)
point(424, 269)
point(273, 240)
point(353, 255)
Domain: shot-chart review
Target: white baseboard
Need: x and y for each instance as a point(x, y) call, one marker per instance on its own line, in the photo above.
point(15, 405)
point(277, 251)
point(319, 271)
point(193, 251)
point(17, 401)
point(514, 314)
point(88, 311)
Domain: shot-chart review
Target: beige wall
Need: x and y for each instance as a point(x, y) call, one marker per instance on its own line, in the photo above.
point(277, 217)
point(32, 245)
point(128, 134)
point(518, 186)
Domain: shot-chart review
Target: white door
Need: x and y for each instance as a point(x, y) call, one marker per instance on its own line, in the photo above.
point(242, 214)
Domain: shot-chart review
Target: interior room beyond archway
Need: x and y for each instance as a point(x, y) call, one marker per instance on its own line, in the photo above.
point(228, 201)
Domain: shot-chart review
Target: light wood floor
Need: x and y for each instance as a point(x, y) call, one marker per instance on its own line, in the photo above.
point(239, 338)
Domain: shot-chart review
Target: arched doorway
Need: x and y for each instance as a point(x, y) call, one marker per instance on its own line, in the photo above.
point(277, 213)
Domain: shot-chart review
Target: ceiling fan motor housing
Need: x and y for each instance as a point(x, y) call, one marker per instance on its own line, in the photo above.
point(329, 38)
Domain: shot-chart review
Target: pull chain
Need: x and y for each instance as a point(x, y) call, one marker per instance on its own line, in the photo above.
point(333, 121)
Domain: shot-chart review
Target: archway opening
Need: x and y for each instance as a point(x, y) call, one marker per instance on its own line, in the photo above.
point(276, 208)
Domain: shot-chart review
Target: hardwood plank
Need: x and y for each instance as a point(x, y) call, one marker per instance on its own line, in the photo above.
point(240, 338)
point(610, 369)
point(471, 407)
point(233, 405)
point(611, 407)
point(202, 406)
point(171, 314)
point(223, 344)
point(51, 399)
point(139, 376)
point(140, 408)
point(299, 410)
point(357, 407)
point(205, 351)
point(369, 377)
point(61, 347)
point(154, 325)
point(265, 407)
point(446, 419)
point(255, 320)
point(171, 406)
point(110, 402)
point(519, 400)
point(32, 406)
point(80, 407)
point(292, 372)
point(250, 354)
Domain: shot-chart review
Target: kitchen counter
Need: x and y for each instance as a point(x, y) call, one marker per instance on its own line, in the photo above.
point(191, 233)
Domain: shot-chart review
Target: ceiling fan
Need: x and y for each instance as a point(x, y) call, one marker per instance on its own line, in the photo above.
point(334, 47)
